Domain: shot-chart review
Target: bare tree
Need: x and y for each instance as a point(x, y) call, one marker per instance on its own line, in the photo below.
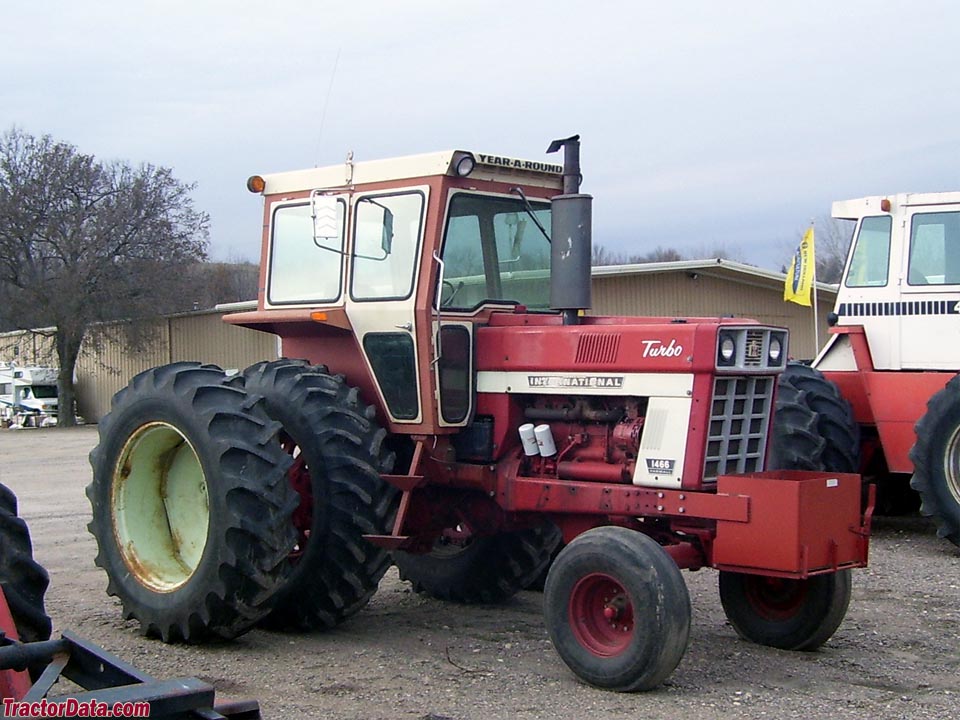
point(83, 242)
point(222, 282)
point(605, 256)
point(832, 242)
point(832, 239)
point(601, 255)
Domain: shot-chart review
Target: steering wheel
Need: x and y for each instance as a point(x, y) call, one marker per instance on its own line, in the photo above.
point(454, 289)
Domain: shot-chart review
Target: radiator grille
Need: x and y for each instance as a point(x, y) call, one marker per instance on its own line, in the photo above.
point(739, 421)
point(598, 348)
point(753, 350)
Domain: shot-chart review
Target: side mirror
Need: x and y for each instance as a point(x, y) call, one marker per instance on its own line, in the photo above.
point(326, 225)
point(386, 239)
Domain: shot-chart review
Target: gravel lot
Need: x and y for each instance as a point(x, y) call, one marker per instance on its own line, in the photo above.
point(897, 655)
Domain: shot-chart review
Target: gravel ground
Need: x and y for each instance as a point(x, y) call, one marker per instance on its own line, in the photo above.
point(897, 655)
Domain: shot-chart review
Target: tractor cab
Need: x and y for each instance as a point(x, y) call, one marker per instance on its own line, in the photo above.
point(391, 265)
point(901, 283)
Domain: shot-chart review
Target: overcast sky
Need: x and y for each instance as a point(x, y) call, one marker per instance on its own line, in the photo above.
point(704, 124)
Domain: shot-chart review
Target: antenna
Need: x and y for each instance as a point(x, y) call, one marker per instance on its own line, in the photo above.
point(326, 102)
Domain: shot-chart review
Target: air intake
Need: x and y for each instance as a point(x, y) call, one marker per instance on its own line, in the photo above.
point(597, 349)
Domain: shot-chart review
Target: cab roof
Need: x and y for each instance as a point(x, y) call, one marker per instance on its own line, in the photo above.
point(540, 173)
point(861, 207)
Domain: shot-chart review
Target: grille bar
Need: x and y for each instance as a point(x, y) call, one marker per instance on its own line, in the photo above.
point(739, 423)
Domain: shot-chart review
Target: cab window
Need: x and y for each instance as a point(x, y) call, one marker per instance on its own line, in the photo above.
point(870, 261)
point(303, 269)
point(934, 249)
point(386, 243)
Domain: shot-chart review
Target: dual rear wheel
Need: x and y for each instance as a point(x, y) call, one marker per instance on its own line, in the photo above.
point(222, 502)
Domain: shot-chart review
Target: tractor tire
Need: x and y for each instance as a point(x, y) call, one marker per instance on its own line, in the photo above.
point(835, 421)
point(783, 613)
point(540, 581)
point(23, 580)
point(617, 609)
point(813, 425)
point(338, 455)
point(483, 570)
point(936, 461)
point(191, 507)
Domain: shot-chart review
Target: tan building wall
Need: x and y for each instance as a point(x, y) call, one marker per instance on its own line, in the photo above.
point(28, 348)
point(105, 367)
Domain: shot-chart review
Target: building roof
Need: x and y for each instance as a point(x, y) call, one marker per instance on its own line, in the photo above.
point(715, 267)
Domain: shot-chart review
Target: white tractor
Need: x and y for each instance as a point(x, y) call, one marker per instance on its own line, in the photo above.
point(889, 373)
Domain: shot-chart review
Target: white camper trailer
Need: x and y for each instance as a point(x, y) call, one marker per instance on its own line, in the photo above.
point(28, 395)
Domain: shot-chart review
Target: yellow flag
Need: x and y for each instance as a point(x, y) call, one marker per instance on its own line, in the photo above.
point(800, 275)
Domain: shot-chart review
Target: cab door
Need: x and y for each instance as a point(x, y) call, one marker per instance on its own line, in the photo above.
point(929, 313)
point(387, 244)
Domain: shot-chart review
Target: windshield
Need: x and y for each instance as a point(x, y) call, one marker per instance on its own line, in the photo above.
point(494, 251)
point(45, 392)
point(871, 254)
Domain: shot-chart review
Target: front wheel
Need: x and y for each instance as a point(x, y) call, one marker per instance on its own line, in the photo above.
point(617, 609)
point(784, 613)
point(936, 461)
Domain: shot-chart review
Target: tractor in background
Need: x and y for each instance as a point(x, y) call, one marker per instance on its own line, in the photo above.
point(885, 390)
point(451, 409)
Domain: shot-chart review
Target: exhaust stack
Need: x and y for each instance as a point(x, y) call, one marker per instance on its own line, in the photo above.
point(570, 238)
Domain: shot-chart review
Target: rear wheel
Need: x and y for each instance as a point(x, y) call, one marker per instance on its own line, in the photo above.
point(23, 580)
point(813, 425)
point(191, 508)
point(835, 422)
point(490, 569)
point(617, 609)
point(936, 461)
point(338, 454)
point(784, 613)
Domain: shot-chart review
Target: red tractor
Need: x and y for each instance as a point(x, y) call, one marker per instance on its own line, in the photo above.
point(457, 414)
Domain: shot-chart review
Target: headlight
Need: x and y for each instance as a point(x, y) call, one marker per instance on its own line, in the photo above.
point(465, 165)
point(776, 349)
point(728, 350)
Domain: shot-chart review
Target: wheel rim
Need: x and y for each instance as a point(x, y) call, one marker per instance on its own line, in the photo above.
point(775, 598)
point(452, 542)
point(299, 477)
point(601, 615)
point(951, 464)
point(160, 507)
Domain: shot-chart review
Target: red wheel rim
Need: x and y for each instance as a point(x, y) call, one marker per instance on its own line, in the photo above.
point(601, 615)
point(775, 598)
point(299, 477)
